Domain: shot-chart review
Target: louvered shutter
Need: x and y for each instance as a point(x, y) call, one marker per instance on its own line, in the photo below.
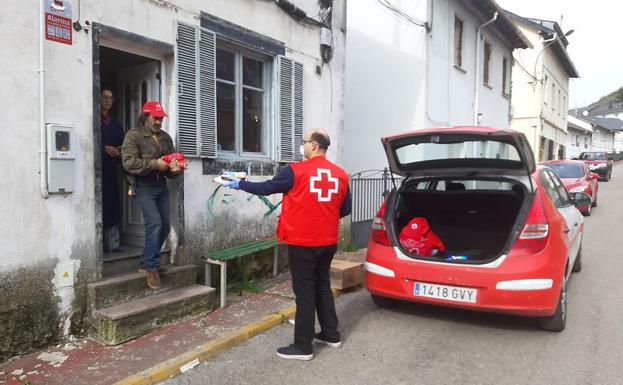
point(286, 148)
point(187, 90)
point(207, 93)
point(196, 94)
point(298, 109)
point(290, 74)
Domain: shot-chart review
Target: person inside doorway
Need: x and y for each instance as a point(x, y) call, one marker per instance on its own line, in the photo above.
point(142, 152)
point(112, 138)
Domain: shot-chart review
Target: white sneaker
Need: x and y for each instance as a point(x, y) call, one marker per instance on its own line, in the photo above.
point(320, 339)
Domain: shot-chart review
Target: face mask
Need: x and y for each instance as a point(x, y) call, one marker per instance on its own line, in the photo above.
point(302, 150)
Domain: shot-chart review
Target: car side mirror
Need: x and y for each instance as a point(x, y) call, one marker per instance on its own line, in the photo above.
point(574, 158)
point(581, 199)
point(594, 175)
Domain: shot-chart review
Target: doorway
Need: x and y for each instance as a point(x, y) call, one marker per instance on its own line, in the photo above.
point(133, 79)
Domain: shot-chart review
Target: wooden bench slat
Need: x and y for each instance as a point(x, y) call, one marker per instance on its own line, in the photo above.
point(243, 249)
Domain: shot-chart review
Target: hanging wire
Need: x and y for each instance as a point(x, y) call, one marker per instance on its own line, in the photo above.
point(401, 14)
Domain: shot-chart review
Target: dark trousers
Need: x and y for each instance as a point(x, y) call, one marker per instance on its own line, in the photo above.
point(310, 267)
point(153, 200)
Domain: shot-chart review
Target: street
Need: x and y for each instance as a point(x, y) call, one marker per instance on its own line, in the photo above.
point(418, 344)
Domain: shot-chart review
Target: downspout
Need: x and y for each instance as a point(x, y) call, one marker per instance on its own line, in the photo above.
point(476, 88)
point(43, 151)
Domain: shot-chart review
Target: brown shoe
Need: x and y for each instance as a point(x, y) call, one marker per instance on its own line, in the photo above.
point(161, 269)
point(153, 280)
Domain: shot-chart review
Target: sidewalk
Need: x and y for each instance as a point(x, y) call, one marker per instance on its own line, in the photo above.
point(164, 352)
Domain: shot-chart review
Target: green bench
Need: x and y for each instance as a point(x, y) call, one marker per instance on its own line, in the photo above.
point(221, 257)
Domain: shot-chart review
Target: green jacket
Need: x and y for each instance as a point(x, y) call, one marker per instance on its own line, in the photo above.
point(141, 150)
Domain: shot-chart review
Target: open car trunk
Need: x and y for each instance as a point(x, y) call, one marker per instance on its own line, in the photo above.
point(475, 219)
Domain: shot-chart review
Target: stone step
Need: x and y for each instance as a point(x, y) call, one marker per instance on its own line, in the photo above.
point(127, 287)
point(127, 260)
point(120, 323)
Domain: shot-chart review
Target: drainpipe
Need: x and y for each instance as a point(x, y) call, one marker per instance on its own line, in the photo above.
point(43, 152)
point(476, 88)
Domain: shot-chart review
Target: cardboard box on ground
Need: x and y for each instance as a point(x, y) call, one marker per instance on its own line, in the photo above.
point(346, 274)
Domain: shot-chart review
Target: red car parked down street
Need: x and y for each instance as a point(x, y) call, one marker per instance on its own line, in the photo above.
point(576, 177)
point(511, 232)
point(598, 162)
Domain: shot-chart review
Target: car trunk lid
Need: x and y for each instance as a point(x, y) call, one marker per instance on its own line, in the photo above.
point(459, 151)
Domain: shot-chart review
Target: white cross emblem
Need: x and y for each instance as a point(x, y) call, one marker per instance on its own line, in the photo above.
point(321, 185)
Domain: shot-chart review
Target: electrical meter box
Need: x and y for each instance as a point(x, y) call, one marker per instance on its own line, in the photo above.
point(61, 158)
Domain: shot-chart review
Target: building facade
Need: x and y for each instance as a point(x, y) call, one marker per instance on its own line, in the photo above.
point(424, 64)
point(541, 87)
point(579, 136)
point(240, 81)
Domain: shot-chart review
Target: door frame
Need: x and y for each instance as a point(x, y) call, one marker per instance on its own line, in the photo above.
point(111, 37)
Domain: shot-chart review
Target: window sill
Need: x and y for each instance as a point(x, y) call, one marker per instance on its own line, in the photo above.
point(261, 167)
point(487, 85)
point(505, 95)
point(459, 68)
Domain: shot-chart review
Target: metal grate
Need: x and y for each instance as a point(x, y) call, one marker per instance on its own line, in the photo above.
point(368, 193)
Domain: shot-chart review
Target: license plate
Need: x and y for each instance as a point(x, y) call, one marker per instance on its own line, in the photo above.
point(449, 293)
point(591, 167)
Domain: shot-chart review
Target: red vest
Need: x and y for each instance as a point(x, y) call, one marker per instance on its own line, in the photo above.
point(310, 211)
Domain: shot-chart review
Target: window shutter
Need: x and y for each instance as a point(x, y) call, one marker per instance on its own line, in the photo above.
point(196, 76)
point(207, 92)
point(298, 109)
point(290, 75)
point(187, 90)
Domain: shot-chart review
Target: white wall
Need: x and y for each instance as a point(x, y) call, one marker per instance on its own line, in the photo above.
point(399, 77)
point(535, 112)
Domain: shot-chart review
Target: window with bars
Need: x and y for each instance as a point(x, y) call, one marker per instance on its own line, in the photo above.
point(486, 63)
point(505, 70)
point(225, 103)
point(458, 41)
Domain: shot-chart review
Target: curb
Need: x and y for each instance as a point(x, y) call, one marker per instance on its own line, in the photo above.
point(173, 367)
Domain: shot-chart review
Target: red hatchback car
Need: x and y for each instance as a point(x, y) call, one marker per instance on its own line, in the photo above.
point(576, 177)
point(510, 230)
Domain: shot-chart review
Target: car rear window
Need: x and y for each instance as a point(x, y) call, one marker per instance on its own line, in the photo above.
point(593, 156)
point(417, 152)
point(567, 170)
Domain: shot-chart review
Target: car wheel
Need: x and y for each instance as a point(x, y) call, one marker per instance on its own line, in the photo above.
point(557, 321)
point(577, 265)
point(587, 212)
point(607, 177)
point(594, 204)
point(383, 302)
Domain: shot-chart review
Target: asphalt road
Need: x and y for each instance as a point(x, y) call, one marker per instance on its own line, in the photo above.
point(418, 344)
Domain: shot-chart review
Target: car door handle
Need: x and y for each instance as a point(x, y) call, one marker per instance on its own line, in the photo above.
point(566, 230)
point(575, 224)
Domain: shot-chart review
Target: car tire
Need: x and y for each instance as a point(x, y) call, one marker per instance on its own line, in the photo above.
point(383, 302)
point(557, 322)
point(607, 177)
point(594, 204)
point(577, 265)
point(587, 212)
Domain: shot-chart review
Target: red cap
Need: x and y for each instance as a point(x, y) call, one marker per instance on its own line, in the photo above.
point(154, 109)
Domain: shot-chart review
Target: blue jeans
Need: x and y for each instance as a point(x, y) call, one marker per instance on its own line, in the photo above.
point(153, 200)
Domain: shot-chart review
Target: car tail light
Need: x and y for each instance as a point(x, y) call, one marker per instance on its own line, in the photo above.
point(535, 234)
point(379, 233)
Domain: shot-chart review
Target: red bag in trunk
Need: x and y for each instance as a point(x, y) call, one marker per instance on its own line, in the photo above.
point(417, 238)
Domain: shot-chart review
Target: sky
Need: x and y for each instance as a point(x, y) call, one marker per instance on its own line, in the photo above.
point(593, 46)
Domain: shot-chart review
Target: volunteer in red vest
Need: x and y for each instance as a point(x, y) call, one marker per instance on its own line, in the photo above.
point(316, 196)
